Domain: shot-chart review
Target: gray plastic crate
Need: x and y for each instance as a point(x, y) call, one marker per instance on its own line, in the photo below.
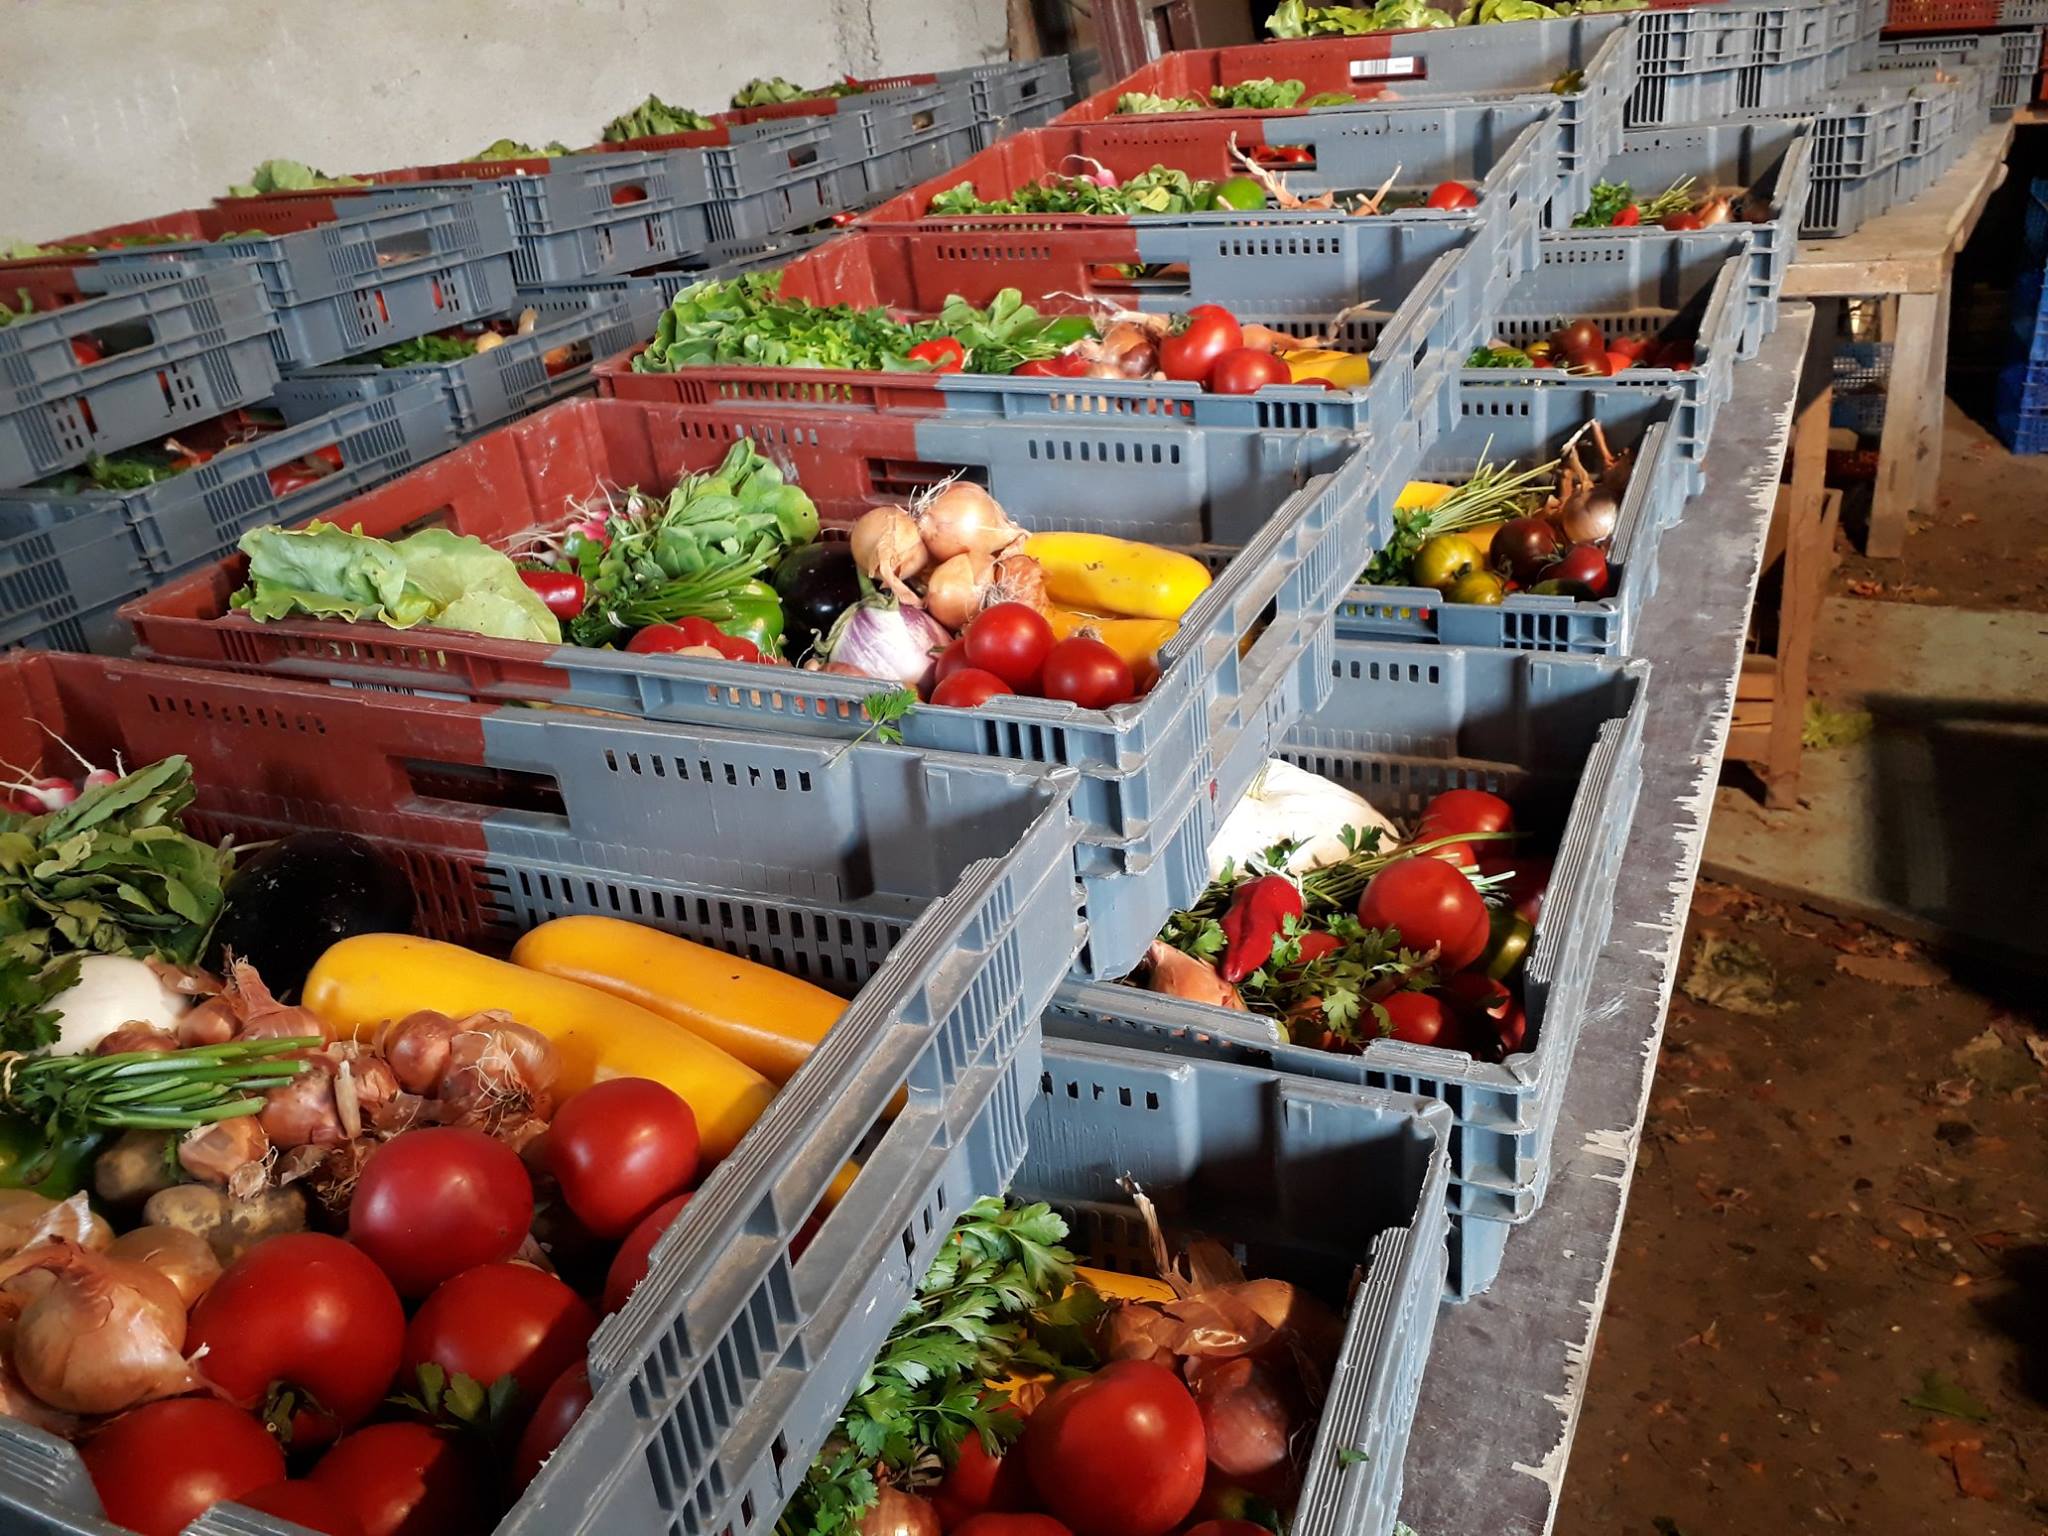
point(1840, 205)
point(1721, 93)
point(1717, 37)
point(2022, 13)
point(1005, 91)
point(1772, 158)
point(2015, 56)
point(381, 271)
point(1559, 733)
point(1525, 427)
point(197, 517)
point(1636, 284)
point(935, 891)
point(647, 294)
point(181, 349)
point(63, 572)
point(488, 387)
point(1238, 1153)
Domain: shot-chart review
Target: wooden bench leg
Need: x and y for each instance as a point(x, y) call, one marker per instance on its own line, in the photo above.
point(1912, 422)
point(1808, 540)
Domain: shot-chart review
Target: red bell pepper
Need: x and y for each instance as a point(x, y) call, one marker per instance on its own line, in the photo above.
point(1064, 366)
point(563, 592)
point(1315, 945)
point(1628, 216)
point(689, 634)
point(1258, 908)
point(944, 353)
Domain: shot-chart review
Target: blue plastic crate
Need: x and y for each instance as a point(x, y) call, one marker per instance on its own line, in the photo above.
point(486, 388)
point(1524, 427)
point(1637, 284)
point(1401, 725)
point(934, 891)
point(1770, 158)
point(1227, 1151)
point(380, 272)
point(180, 349)
point(198, 516)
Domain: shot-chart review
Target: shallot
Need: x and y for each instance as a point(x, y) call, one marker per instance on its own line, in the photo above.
point(136, 1036)
point(1181, 975)
point(498, 1076)
point(416, 1048)
point(108, 1335)
point(953, 591)
point(1018, 579)
point(959, 517)
point(888, 548)
point(302, 1112)
point(896, 1513)
point(218, 1153)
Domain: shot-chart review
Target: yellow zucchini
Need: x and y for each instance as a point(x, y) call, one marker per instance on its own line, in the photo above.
point(769, 1020)
point(1100, 574)
point(364, 981)
point(1421, 495)
point(1137, 641)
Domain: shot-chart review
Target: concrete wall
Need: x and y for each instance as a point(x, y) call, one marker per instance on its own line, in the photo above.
point(119, 109)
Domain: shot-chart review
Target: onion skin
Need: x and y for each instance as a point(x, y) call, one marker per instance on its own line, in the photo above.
point(214, 1153)
point(1590, 519)
point(961, 518)
point(897, 1513)
point(954, 591)
point(888, 548)
point(182, 1257)
point(107, 1336)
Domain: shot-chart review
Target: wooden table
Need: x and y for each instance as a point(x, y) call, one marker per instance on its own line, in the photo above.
point(1908, 256)
point(1507, 1374)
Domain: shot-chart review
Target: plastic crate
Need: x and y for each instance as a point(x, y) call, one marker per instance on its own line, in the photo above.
point(197, 516)
point(1941, 15)
point(1507, 151)
point(762, 179)
point(366, 277)
point(1770, 158)
point(1840, 205)
point(63, 572)
point(488, 387)
point(2020, 408)
point(1456, 62)
point(1240, 1154)
point(1022, 86)
point(1305, 512)
point(1562, 737)
point(1714, 37)
point(1529, 426)
point(1425, 318)
point(870, 181)
point(1711, 95)
point(647, 294)
point(2015, 56)
point(1638, 285)
point(935, 890)
point(107, 373)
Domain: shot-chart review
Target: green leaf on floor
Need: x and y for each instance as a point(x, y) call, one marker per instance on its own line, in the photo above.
point(1827, 729)
point(1938, 1394)
point(1731, 975)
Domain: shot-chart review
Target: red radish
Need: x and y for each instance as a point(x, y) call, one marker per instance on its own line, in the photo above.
point(39, 795)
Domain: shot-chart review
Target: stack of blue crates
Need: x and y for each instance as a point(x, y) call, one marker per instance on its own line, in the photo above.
point(2022, 401)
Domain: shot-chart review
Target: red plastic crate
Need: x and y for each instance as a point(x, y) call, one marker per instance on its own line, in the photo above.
point(1941, 15)
point(52, 281)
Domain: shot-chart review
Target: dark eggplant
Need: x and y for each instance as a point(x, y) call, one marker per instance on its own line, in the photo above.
point(816, 583)
point(289, 901)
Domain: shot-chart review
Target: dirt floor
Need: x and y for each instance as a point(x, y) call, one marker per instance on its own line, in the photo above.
point(1830, 1309)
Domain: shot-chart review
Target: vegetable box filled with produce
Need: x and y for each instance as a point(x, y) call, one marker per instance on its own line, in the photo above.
point(1030, 619)
point(1168, 1326)
point(1422, 917)
point(290, 1194)
point(1533, 523)
point(1298, 18)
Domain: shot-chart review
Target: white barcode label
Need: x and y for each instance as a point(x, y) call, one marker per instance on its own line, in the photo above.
point(413, 693)
point(1409, 68)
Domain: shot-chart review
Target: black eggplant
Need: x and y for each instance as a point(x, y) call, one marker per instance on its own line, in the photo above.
point(816, 583)
point(288, 902)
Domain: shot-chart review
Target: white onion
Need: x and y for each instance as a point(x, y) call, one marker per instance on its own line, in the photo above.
point(887, 641)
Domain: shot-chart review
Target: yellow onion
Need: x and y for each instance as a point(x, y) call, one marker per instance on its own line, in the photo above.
point(954, 589)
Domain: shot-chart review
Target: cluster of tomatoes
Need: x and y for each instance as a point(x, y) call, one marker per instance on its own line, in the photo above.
point(419, 1425)
point(1431, 902)
point(1010, 649)
point(1209, 349)
point(1584, 348)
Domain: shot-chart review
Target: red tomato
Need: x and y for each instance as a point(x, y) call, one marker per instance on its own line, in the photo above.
point(1618, 362)
point(1118, 1453)
point(308, 1314)
point(969, 686)
point(1531, 875)
point(402, 1480)
point(1452, 194)
point(619, 1149)
point(1583, 566)
point(307, 1504)
point(86, 351)
point(980, 1483)
point(1431, 905)
point(1315, 944)
point(501, 1320)
point(159, 1467)
point(952, 659)
point(1678, 221)
point(557, 1414)
point(434, 1202)
point(1014, 1525)
point(1628, 346)
point(1421, 1019)
point(1486, 1012)
point(1086, 672)
point(1009, 640)
point(1190, 354)
point(629, 1264)
point(944, 353)
point(1061, 367)
point(1247, 371)
point(1466, 810)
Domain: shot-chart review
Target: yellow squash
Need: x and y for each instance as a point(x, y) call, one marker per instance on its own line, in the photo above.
point(1097, 573)
point(1137, 641)
point(1421, 495)
point(364, 981)
point(769, 1020)
point(1346, 370)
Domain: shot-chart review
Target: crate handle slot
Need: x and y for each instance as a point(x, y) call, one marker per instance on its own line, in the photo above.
point(923, 120)
point(801, 157)
point(630, 192)
point(500, 789)
point(402, 246)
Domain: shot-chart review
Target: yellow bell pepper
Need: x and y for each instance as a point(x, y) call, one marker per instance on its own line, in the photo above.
point(765, 1018)
point(1115, 1287)
point(1346, 370)
point(1137, 641)
point(1421, 495)
point(1097, 573)
point(372, 978)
